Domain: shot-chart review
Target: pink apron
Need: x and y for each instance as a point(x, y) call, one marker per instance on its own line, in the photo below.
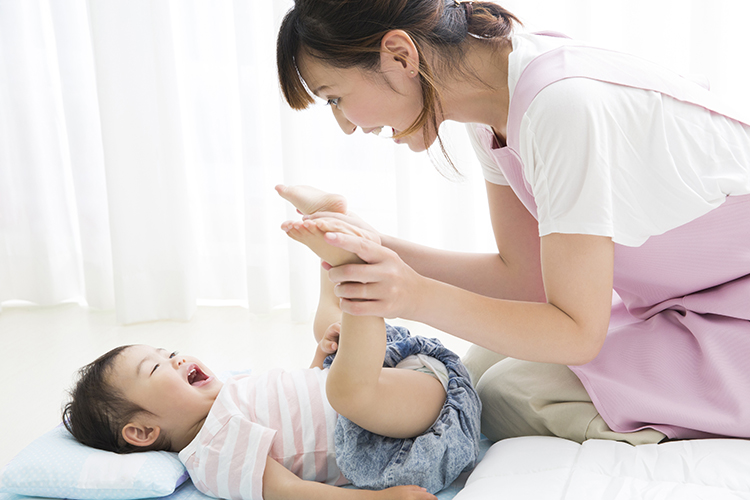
point(677, 355)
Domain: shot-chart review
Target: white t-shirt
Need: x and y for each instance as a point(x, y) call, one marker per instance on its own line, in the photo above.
point(615, 161)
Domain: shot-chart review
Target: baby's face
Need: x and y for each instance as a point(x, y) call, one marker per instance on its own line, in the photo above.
point(178, 390)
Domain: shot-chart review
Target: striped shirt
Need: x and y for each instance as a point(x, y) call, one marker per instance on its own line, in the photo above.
point(280, 414)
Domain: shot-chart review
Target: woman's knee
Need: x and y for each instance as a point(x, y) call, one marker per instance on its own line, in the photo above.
point(523, 398)
point(478, 360)
point(504, 404)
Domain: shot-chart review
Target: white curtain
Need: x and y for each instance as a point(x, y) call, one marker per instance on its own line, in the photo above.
point(140, 141)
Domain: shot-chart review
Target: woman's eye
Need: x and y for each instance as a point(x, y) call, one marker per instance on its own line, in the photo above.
point(334, 101)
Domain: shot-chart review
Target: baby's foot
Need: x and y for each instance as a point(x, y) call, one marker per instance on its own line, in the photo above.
point(310, 233)
point(309, 200)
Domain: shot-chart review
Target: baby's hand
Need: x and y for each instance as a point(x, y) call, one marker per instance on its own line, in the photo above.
point(330, 341)
point(405, 493)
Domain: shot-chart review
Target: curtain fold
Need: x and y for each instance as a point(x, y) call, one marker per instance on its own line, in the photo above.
point(140, 141)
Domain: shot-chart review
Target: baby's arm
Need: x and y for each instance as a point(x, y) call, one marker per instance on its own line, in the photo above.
point(280, 483)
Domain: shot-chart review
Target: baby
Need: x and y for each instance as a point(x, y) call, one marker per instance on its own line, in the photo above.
point(386, 412)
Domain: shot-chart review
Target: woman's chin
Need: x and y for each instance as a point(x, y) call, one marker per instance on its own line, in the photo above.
point(417, 148)
point(416, 143)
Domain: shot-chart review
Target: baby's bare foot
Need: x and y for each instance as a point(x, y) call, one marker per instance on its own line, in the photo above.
point(309, 200)
point(309, 233)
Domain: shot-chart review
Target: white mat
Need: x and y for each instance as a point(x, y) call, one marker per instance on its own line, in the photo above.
point(552, 468)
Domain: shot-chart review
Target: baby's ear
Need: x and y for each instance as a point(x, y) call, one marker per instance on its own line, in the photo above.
point(139, 434)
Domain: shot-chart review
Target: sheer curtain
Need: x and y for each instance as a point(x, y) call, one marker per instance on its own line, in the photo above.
point(140, 141)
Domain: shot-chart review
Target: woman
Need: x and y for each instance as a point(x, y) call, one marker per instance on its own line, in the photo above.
point(603, 171)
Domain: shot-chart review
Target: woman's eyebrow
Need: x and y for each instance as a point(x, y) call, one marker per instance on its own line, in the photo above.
point(317, 90)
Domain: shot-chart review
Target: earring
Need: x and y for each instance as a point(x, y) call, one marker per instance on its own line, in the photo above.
point(412, 72)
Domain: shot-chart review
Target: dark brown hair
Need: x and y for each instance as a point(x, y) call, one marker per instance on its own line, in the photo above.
point(97, 412)
point(347, 33)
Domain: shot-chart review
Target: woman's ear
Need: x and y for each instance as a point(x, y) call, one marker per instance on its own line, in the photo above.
point(399, 53)
point(139, 434)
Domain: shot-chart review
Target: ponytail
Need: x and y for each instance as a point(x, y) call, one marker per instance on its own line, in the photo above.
point(488, 20)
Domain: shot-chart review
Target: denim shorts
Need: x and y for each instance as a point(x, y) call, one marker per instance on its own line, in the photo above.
point(435, 458)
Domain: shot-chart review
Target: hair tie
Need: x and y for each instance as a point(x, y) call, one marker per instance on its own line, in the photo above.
point(468, 9)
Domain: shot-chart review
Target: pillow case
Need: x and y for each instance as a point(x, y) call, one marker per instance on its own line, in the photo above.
point(56, 465)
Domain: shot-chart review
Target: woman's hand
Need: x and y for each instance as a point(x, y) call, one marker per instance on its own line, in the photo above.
point(385, 286)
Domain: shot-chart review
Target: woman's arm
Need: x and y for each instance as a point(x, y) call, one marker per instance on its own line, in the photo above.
point(568, 327)
point(514, 272)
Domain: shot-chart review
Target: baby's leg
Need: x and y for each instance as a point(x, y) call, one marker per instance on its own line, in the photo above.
point(311, 233)
point(391, 402)
point(308, 200)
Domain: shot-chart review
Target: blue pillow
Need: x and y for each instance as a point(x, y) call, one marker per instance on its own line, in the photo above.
point(57, 466)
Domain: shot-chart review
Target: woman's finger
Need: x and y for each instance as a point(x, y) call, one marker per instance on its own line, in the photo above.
point(355, 273)
point(349, 218)
point(365, 249)
point(352, 290)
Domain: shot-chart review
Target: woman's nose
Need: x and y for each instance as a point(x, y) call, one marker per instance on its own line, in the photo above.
point(347, 126)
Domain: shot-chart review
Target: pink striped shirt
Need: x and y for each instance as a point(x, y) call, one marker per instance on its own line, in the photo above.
point(279, 414)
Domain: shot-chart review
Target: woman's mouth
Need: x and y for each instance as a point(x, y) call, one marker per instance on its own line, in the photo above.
point(196, 377)
point(384, 132)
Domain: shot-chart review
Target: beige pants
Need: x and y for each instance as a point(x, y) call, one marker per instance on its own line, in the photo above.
point(523, 398)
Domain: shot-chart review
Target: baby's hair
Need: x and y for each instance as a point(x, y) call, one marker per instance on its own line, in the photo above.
point(347, 33)
point(97, 412)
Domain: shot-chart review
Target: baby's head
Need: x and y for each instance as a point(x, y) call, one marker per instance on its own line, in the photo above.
point(140, 398)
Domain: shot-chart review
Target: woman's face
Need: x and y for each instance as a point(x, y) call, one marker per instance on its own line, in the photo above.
point(368, 100)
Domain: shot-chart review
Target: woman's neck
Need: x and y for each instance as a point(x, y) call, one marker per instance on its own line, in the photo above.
point(481, 97)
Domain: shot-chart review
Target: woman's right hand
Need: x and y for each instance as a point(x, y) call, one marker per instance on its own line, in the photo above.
point(384, 286)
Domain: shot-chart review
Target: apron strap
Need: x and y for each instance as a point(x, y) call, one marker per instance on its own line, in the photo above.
point(608, 66)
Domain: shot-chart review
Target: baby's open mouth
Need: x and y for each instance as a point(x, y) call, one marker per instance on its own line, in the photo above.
point(196, 376)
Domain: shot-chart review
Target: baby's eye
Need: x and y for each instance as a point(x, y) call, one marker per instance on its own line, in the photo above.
point(173, 354)
point(333, 101)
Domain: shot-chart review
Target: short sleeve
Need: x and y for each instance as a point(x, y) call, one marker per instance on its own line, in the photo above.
point(569, 168)
point(230, 463)
point(490, 169)
point(598, 161)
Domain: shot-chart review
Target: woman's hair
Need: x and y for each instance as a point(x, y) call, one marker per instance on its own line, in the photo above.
point(97, 411)
point(347, 33)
